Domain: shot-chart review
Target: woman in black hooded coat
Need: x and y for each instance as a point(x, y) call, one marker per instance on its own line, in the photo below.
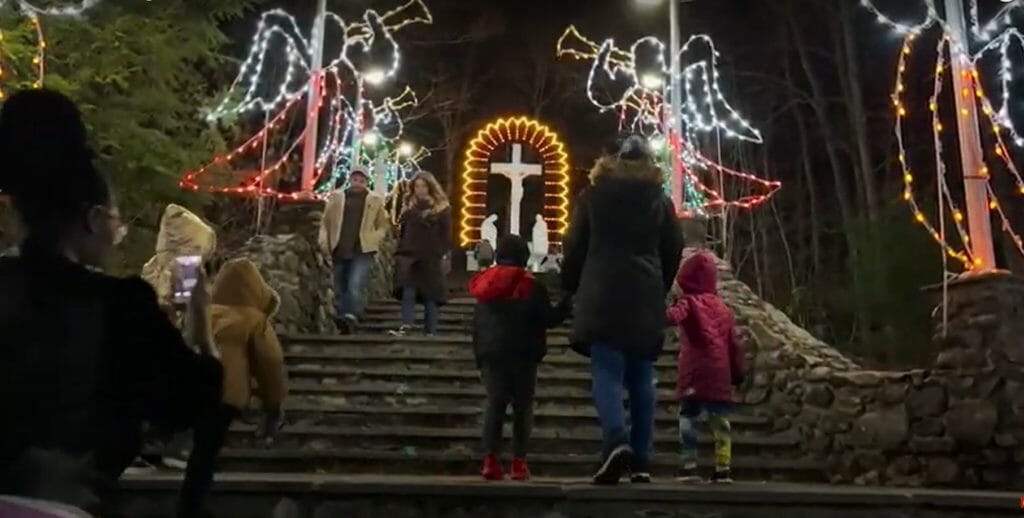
point(620, 259)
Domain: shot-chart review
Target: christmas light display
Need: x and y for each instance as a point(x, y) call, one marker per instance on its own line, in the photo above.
point(990, 40)
point(637, 78)
point(479, 165)
point(31, 12)
point(381, 146)
point(368, 56)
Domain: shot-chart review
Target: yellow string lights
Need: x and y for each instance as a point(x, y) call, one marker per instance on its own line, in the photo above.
point(973, 93)
point(38, 60)
point(477, 169)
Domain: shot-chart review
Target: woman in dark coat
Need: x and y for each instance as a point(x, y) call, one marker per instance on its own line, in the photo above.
point(424, 240)
point(87, 358)
point(621, 256)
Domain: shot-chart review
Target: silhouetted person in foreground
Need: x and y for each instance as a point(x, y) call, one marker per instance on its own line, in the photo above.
point(621, 255)
point(87, 358)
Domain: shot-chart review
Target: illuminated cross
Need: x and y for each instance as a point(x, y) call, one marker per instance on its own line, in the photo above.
point(516, 171)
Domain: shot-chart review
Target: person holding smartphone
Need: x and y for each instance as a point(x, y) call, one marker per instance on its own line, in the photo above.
point(88, 358)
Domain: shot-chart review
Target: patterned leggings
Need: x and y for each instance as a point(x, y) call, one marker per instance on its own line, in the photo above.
point(721, 431)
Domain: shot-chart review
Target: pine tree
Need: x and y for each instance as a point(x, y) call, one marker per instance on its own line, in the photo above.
point(141, 72)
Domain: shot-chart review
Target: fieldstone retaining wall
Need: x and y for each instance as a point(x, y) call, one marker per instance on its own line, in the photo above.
point(293, 264)
point(958, 423)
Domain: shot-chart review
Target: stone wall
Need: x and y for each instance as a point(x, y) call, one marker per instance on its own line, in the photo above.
point(959, 422)
point(301, 275)
point(293, 264)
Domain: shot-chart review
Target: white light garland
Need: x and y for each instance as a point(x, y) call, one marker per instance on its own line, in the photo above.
point(996, 35)
point(67, 11)
point(278, 33)
point(704, 112)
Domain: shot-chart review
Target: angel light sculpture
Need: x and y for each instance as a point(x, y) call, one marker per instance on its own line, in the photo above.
point(369, 55)
point(964, 46)
point(631, 82)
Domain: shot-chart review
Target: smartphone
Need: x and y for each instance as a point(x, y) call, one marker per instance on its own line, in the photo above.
point(186, 278)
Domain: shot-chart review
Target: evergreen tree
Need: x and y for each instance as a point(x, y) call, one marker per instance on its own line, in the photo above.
point(141, 72)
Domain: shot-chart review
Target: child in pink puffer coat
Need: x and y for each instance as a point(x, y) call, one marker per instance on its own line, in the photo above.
point(710, 364)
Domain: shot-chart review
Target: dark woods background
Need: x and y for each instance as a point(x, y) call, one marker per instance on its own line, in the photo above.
point(837, 249)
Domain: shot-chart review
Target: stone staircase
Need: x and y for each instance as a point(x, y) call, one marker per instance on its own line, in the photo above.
point(371, 403)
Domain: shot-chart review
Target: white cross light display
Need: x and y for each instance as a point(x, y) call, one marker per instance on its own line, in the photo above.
point(516, 171)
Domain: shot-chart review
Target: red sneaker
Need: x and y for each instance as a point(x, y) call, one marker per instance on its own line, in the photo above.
point(492, 468)
point(520, 470)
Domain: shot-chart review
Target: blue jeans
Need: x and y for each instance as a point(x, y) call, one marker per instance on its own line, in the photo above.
point(409, 309)
point(349, 277)
point(611, 371)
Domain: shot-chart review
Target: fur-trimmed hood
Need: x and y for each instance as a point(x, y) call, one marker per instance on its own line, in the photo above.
point(239, 284)
point(611, 167)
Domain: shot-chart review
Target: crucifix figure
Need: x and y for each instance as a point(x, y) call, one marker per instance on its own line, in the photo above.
point(516, 171)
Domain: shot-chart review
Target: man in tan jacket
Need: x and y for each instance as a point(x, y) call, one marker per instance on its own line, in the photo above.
point(352, 228)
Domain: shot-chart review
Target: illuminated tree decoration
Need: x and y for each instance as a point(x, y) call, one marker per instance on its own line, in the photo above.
point(31, 13)
point(369, 56)
point(633, 83)
point(476, 170)
point(994, 36)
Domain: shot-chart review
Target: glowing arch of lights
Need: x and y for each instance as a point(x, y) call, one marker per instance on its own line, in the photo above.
point(476, 170)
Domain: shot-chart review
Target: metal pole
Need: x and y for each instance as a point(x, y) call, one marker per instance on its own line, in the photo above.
point(313, 101)
point(357, 125)
point(971, 154)
point(676, 121)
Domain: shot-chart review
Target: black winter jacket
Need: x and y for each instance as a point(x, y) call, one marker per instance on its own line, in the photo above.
point(620, 258)
point(511, 317)
point(87, 358)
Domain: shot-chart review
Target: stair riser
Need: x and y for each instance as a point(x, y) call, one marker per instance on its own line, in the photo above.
point(471, 467)
point(460, 364)
point(538, 446)
point(435, 381)
point(664, 421)
point(665, 400)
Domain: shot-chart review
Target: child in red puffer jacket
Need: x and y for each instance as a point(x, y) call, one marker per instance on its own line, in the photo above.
point(710, 364)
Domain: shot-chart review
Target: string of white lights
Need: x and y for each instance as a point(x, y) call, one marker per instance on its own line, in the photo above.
point(997, 35)
point(369, 55)
point(73, 10)
point(704, 112)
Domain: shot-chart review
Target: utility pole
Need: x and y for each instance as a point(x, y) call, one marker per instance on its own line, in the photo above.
point(971, 153)
point(675, 139)
point(313, 101)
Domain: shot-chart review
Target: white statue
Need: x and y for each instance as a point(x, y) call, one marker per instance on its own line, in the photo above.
point(483, 255)
point(539, 245)
point(489, 230)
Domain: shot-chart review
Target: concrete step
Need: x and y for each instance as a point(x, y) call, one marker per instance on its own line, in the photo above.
point(460, 359)
point(412, 461)
point(429, 438)
point(340, 411)
point(432, 376)
point(254, 495)
point(399, 394)
point(415, 342)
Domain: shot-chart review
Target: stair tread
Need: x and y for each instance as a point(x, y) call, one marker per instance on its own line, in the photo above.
point(548, 375)
point(473, 433)
point(466, 355)
point(738, 461)
point(539, 411)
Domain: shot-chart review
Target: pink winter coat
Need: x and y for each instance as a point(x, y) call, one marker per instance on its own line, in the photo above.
point(709, 357)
